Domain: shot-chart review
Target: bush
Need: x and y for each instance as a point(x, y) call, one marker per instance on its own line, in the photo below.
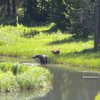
point(33, 78)
point(7, 82)
point(15, 77)
point(5, 66)
point(18, 68)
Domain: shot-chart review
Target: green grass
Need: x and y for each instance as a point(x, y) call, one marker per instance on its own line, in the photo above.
point(19, 77)
point(27, 41)
point(97, 96)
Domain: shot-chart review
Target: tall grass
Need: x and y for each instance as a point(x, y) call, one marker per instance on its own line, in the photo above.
point(20, 77)
point(26, 41)
point(7, 82)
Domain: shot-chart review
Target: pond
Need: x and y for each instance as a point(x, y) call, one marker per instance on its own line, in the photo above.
point(67, 85)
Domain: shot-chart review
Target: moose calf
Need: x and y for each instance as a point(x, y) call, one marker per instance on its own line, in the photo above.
point(56, 52)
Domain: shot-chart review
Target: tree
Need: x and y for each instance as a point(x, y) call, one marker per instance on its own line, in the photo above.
point(60, 15)
point(8, 7)
point(36, 10)
point(97, 34)
point(74, 16)
point(14, 8)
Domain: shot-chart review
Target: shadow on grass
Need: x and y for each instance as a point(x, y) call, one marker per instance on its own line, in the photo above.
point(85, 53)
point(53, 29)
point(12, 21)
point(69, 40)
point(35, 24)
point(7, 21)
point(30, 34)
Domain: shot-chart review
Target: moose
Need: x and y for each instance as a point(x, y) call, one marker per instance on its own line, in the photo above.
point(56, 52)
point(43, 58)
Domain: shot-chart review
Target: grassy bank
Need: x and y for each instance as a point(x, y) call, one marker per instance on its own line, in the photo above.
point(27, 41)
point(17, 77)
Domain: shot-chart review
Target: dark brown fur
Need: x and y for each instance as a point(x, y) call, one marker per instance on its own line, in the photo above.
point(43, 58)
point(56, 52)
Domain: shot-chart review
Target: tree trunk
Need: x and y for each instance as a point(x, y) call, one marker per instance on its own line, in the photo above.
point(14, 8)
point(97, 33)
point(8, 8)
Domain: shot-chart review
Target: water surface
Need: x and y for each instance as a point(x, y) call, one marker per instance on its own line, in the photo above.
point(67, 85)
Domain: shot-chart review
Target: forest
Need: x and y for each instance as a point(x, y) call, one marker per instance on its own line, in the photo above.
point(65, 37)
point(73, 16)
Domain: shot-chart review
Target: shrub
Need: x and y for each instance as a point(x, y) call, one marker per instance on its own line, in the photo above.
point(34, 78)
point(7, 82)
point(5, 66)
point(18, 68)
point(15, 77)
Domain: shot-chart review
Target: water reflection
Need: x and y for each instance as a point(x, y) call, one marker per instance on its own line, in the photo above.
point(24, 95)
point(69, 85)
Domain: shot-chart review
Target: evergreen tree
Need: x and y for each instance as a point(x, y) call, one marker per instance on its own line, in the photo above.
point(74, 16)
point(60, 15)
point(36, 10)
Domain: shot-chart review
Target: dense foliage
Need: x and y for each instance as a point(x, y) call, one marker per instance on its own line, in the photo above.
point(74, 16)
point(37, 10)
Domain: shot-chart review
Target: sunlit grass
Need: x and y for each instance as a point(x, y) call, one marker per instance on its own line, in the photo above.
point(14, 41)
point(97, 96)
point(17, 77)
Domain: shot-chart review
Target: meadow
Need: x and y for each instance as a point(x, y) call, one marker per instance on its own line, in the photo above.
point(20, 41)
